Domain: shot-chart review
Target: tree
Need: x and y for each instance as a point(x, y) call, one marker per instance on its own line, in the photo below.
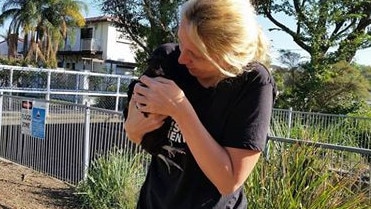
point(12, 42)
point(366, 72)
point(331, 31)
point(23, 14)
point(147, 23)
point(323, 26)
point(342, 90)
point(55, 17)
point(46, 21)
point(288, 76)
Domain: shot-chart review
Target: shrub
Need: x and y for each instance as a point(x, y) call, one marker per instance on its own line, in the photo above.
point(113, 182)
point(298, 176)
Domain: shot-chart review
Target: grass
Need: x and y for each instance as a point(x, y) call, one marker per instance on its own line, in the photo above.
point(297, 176)
point(113, 182)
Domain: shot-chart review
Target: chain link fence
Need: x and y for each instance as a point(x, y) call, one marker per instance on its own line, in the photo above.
point(106, 91)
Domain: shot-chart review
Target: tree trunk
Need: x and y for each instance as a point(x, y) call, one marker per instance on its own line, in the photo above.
point(34, 53)
point(12, 45)
point(25, 44)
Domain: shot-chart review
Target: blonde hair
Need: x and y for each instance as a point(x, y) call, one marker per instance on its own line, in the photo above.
point(226, 31)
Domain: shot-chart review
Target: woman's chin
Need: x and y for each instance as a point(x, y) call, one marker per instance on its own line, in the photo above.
point(192, 71)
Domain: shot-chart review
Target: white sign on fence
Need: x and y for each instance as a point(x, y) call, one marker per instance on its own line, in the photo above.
point(26, 117)
point(33, 118)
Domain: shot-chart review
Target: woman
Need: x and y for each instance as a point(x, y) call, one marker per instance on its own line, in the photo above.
point(219, 99)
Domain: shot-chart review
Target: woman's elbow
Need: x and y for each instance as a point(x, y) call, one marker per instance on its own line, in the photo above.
point(229, 189)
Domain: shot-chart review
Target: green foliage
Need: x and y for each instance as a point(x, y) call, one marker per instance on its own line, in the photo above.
point(342, 25)
point(364, 111)
point(366, 72)
point(17, 62)
point(343, 88)
point(113, 182)
point(331, 32)
point(297, 176)
point(45, 22)
point(147, 23)
point(339, 88)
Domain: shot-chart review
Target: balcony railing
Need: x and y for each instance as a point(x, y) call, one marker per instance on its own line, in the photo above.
point(90, 44)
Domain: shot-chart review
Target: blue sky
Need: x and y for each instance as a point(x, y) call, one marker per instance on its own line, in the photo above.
point(279, 40)
point(94, 9)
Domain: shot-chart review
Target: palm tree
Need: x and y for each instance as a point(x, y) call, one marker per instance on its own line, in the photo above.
point(23, 15)
point(62, 16)
point(56, 17)
point(47, 23)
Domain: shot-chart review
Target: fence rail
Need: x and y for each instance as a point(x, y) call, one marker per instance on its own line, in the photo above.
point(101, 90)
point(322, 128)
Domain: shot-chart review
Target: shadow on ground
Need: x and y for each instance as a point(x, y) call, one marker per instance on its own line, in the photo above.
point(63, 198)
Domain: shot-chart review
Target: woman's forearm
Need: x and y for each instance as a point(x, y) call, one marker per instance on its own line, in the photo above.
point(213, 159)
point(136, 124)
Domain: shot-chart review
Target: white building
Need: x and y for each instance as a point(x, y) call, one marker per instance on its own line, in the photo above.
point(98, 47)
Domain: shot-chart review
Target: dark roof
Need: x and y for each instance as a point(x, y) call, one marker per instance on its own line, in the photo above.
point(99, 19)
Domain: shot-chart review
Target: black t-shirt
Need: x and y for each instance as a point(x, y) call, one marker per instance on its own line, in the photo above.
point(236, 113)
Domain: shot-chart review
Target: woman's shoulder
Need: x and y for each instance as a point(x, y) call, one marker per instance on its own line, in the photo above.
point(257, 73)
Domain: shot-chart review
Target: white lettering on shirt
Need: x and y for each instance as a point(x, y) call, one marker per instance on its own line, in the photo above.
point(174, 133)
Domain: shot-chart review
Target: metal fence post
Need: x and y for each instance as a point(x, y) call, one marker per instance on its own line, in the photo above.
point(85, 86)
point(117, 94)
point(289, 122)
point(47, 96)
point(86, 151)
point(11, 87)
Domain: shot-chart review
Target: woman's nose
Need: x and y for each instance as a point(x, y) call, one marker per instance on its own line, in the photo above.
point(183, 59)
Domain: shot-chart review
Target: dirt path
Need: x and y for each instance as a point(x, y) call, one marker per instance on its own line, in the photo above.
point(23, 188)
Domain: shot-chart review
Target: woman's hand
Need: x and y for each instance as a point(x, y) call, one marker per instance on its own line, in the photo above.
point(136, 124)
point(158, 95)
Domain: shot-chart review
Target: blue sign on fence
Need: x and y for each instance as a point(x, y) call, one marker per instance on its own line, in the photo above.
point(38, 120)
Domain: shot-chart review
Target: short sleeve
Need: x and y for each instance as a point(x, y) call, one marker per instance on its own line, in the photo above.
point(248, 120)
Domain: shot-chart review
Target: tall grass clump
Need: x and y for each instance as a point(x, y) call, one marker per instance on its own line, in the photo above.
point(297, 176)
point(113, 182)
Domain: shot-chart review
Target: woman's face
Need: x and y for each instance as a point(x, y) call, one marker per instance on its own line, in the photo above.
point(197, 64)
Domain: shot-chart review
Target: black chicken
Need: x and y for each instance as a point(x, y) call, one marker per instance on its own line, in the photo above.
point(156, 142)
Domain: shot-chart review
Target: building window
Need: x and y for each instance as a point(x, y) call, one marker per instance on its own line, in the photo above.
point(86, 33)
